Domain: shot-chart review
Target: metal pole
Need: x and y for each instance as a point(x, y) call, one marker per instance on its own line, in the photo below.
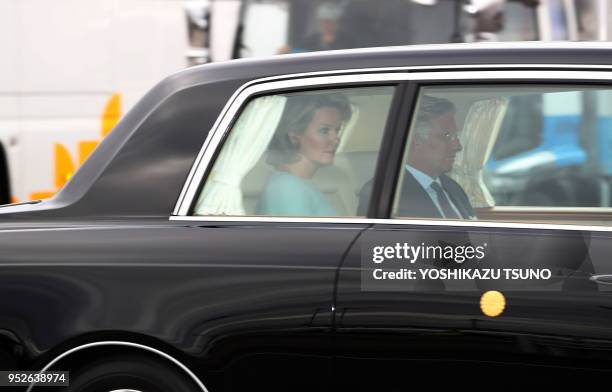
point(457, 35)
point(602, 20)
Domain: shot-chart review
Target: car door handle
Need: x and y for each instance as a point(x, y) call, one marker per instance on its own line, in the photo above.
point(602, 279)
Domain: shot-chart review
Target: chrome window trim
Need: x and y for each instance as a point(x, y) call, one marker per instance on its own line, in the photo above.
point(426, 68)
point(162, 354)
point(186, 196)
point(390, 222)
point(575, 73)
point(224, 121)
point(554, 75)
point(494, 224)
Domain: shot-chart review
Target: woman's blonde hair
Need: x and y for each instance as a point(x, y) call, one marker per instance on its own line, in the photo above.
point(299, 112)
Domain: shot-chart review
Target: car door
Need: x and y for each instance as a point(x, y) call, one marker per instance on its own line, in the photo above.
point(268, 237)
point(414, 292)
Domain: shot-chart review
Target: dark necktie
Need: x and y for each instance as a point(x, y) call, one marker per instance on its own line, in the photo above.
point(447, 209)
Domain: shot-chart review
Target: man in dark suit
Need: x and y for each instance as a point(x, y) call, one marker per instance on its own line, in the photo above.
point(426, 191)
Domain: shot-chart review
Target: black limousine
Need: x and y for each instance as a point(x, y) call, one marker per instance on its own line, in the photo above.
point(350, 220)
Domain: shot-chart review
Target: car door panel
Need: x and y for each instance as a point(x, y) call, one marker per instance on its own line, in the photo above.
point(552, 325)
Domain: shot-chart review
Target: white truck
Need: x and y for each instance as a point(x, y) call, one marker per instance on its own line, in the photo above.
point(69, 69)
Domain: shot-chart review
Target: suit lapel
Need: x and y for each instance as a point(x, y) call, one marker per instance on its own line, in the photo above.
point(456, 199)
point(415, 200)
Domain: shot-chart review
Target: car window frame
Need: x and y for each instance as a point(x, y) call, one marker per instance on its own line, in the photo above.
point(485, 78)
point(223, 126)
point(412, 78)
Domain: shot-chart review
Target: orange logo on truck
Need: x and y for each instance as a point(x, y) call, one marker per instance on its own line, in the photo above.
point(64, 164)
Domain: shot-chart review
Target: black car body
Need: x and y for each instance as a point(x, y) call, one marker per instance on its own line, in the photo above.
point(118, 266)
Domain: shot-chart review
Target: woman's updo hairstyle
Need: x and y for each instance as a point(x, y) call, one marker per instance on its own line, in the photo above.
point(297, 115)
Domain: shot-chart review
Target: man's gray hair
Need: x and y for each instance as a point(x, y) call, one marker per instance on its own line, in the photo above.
point(429, 108)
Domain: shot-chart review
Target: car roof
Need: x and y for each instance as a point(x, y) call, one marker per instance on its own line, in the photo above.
point(482, 53)
point(140, 168)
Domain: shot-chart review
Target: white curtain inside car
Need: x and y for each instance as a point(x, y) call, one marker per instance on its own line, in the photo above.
point(245, 145)
point(478, 137)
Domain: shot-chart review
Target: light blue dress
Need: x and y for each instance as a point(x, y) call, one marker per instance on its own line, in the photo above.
point(289, 195)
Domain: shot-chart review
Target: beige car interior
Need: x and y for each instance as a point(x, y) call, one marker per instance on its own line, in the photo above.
point(479, 115)
point(355, 160)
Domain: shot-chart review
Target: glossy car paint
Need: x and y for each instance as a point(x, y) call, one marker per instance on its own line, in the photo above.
point(547, 330)
point(248, 304)
point(220, 293)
